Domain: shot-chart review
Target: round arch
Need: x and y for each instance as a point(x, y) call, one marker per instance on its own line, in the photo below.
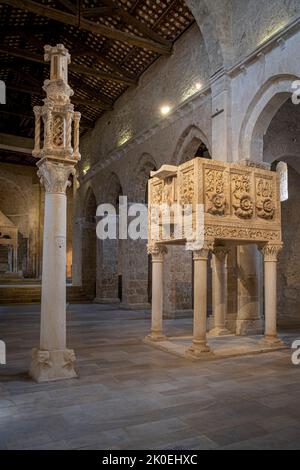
point(188, 145)
point(275, 92)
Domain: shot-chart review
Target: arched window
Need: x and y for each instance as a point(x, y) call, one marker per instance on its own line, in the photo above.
point(282, 170)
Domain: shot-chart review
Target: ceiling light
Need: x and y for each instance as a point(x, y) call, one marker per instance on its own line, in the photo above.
point(165, 110)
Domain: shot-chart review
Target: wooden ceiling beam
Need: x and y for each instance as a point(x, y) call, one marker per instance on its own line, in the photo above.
point(97, 11)
point(69, 6)
point(90, 26)
point(133, 21)
point(26, 55)
point(75, 99)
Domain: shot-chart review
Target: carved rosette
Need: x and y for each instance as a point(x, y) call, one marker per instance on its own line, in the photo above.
point(214, 192)
point(271, 251)
point(265, 204)
point(55, 176)
point(242, 200)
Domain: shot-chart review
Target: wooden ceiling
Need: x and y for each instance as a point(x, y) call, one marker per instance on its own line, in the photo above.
point(112, 42)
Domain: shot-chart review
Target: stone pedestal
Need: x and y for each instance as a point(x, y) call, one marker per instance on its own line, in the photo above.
point(199, 347)
point(157, 293)
point(219, 291)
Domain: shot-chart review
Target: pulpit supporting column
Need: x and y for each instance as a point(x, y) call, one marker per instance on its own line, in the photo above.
point(200, 348)
point(219, 291)
point(270, 253)
point(157, 253)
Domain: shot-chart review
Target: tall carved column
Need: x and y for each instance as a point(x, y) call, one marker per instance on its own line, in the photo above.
point(158, 252)
point(219, 290)
point(200, 346)
point(270, 254)
point(53, 360)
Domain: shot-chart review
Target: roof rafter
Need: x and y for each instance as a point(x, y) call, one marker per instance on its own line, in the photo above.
point(87, 25)
point(76, 99)
point(23, 54)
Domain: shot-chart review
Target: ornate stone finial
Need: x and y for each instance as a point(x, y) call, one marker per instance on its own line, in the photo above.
point(57, 115)
point(60, 59)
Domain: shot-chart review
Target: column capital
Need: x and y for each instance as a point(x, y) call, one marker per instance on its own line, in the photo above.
point(270, 251)
point(221, 252)
point(157, 252)
point(201, 251)
point(55, 175)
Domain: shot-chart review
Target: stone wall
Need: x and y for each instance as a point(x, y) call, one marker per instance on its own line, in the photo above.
point(21, 201)
point(255, 21)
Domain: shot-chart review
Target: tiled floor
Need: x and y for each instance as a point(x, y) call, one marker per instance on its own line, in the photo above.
point(131, 396)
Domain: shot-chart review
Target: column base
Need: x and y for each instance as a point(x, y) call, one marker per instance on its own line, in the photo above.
point(99, 300)
point(155, 337)
point(48, 366)
point(217, 331)
point(199, 350)
point(249, 327)
point(272, 341)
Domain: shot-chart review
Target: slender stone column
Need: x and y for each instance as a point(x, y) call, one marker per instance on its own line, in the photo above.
point(157, 253)
point(200, 346)
point(37, 136)
point(219, 291)
point(270, 253)
point(53, 360)
point(15, 259)
point(57, 161)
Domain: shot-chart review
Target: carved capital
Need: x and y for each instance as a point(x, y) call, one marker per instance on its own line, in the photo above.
point(55, 176)
point(271, 251)
point(157, 252)
point(221, 252)
point(202, 253)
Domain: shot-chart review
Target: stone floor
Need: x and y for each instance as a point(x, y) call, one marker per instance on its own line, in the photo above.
point(131, 396)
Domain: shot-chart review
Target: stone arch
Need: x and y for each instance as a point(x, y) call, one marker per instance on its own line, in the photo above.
point(145, 165)
point(188, 145)
point(281, 146)
point(89, 244)
point(272, 95)
point(90, 205)
point(110, 252)
point(113, 190)
point(213, 21)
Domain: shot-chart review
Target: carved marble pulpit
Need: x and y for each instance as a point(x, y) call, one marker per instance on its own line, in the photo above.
point(240, 202)
point(224, 204)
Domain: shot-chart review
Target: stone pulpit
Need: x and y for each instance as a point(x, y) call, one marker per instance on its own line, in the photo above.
point(209, 206)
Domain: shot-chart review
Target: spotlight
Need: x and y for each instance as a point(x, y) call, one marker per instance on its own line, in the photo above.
point(198, 86)
point(165, 110)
